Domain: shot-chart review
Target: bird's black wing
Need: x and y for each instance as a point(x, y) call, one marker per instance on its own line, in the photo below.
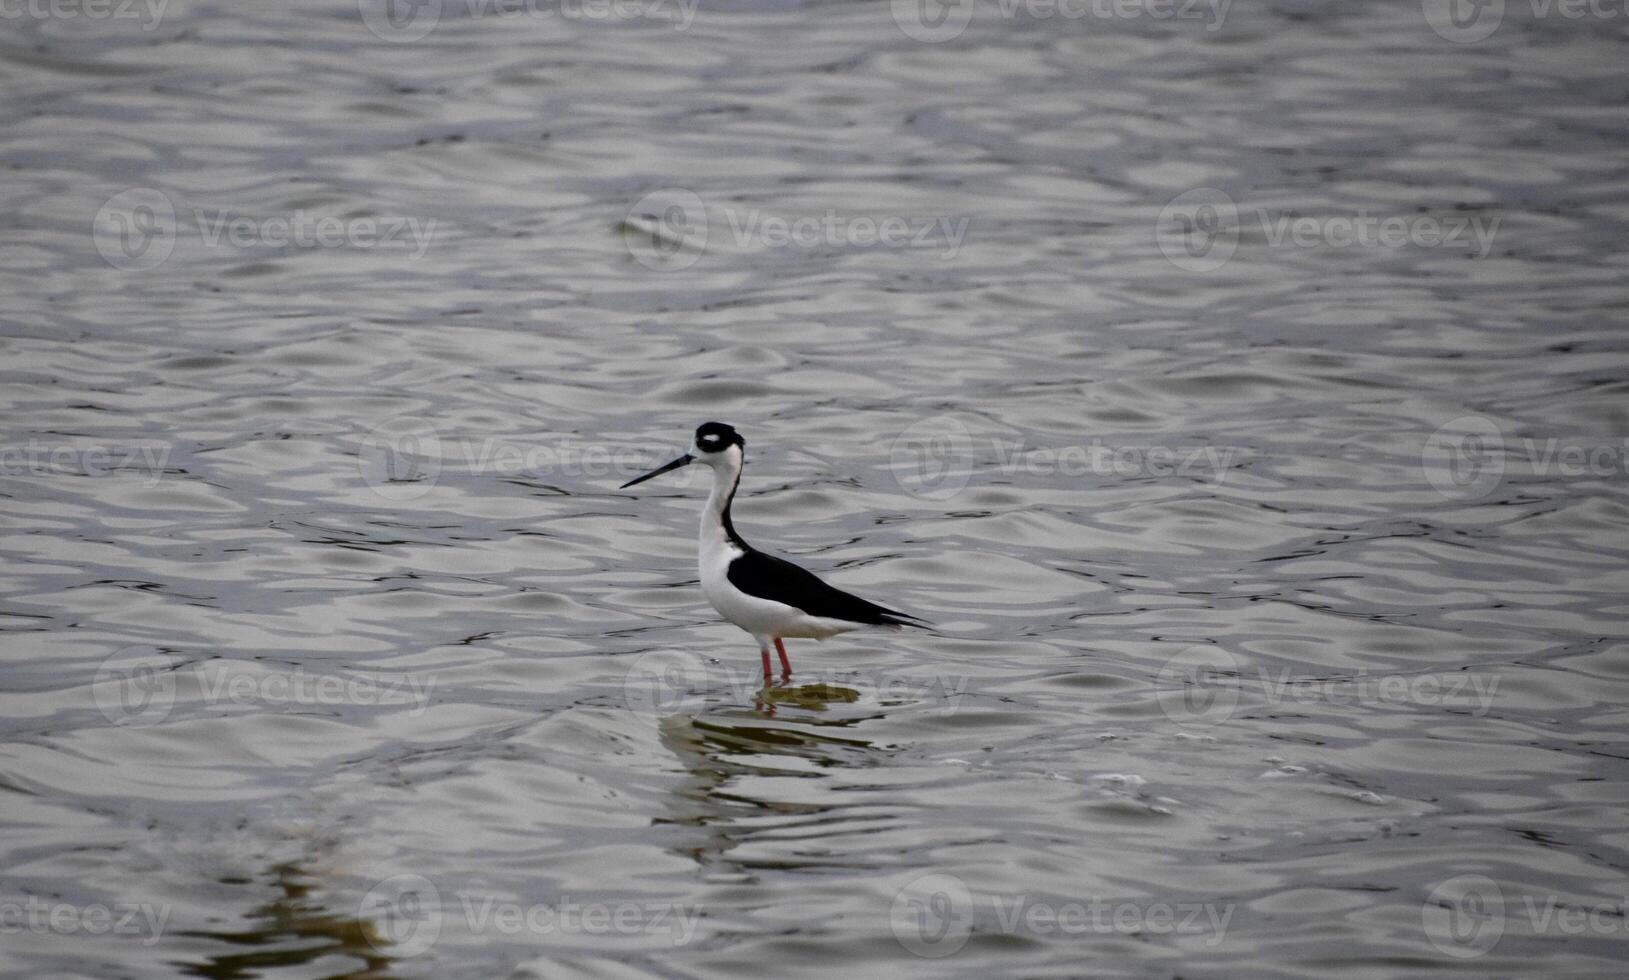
point(768, 577)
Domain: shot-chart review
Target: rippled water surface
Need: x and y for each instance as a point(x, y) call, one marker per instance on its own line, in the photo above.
point(1277, 553)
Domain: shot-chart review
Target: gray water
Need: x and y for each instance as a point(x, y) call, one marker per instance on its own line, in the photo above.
point(1239, 389)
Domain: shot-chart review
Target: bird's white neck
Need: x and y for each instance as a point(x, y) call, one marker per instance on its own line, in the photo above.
point(717, 531)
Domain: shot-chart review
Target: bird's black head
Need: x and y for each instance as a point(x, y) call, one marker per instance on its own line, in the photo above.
point(716, 437)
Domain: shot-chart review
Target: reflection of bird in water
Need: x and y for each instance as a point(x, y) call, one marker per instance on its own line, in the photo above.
point(295, 930)
point(768, 597)
point(813, 697)
point(738, 820)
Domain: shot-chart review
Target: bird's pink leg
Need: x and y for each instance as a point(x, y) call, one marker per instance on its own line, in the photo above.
point(768, 676)
point(786, 665)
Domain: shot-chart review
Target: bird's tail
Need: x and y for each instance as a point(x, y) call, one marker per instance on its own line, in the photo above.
point(894, 619)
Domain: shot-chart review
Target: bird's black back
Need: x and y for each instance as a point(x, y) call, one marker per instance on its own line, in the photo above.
point(778, 580)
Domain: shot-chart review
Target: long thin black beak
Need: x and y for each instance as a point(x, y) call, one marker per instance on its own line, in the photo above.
point(684, 460)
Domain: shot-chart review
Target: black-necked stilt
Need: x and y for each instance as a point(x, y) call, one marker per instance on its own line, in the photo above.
point(768, 597)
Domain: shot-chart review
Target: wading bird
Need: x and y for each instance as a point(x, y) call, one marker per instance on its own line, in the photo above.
point(769, 597)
